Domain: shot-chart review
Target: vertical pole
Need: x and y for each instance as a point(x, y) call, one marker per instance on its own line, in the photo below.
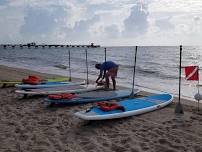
point(70, 78)
point(105, 60)
point(134, 69)
point(87, 81)
point(179, 108)
point(180, 71)
point(105, 54)
point(198, 91)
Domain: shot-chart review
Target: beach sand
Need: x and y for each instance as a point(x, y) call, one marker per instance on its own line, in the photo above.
point(28, 125)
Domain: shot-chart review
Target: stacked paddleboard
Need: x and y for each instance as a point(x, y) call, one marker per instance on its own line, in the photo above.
point(131, 107)
point(5, 83)
point(60, 89)
point(93, 96)
point(48, 85)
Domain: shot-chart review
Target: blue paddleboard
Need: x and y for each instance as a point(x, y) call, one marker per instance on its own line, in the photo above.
point(132, 107)
point(93, 96)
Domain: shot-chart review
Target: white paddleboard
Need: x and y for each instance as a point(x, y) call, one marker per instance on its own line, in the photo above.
point(58, 90)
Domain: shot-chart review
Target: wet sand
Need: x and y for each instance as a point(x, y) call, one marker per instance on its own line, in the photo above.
point(29, 125)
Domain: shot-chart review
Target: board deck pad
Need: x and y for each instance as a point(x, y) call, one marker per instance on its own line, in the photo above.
point(94, 96)
point(131, 106)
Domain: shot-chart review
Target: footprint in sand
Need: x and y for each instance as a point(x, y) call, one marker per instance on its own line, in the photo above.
point(174, 126)
point(163, 148)
point(23, 137)
point(135, 149)
point(197, 148)
point(144, 146)
point(172, 144)
point(117, 148)
point(89, 146)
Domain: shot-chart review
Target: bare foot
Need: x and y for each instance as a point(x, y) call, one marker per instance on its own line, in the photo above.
point(108, 89)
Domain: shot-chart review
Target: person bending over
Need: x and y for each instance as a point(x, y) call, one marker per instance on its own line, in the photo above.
point(107, 69)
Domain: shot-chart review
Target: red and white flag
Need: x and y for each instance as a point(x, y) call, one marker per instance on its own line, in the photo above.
point(192, 73)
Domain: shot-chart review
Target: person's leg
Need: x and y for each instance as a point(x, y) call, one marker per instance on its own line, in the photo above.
point(113, 74)
point(107, 81)
point(114, 83)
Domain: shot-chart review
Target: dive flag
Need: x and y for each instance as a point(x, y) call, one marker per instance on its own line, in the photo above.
point(192, 73)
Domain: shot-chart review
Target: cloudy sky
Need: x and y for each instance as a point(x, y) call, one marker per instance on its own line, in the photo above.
point(104, 22)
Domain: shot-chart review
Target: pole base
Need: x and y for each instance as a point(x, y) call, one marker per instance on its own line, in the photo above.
point(179, 108)
point(132, 95)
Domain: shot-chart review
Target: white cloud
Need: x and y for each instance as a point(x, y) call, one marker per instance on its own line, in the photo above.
point(81, 29)
point(96, 1)
point(137, 22)
point(11, 19)
point(41, 23)
point(3, 2)
point(112, 31)
point(106, 22)
point(164, 24)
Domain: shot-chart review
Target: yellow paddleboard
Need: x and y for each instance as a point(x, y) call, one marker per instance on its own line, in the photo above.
point(9, 83)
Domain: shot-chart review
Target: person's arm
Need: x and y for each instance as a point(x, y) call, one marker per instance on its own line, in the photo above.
point(100, 76)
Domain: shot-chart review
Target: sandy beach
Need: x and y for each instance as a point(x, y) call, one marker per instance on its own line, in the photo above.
point(28, 125)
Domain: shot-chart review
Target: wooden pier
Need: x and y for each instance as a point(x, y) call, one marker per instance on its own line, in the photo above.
point(33, 45)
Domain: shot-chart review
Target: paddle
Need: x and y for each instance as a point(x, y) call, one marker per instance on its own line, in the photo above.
point(132, 93)
point(70, 78)
point(179, 108)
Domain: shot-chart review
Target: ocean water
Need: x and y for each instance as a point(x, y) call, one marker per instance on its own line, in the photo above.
point(157, 67)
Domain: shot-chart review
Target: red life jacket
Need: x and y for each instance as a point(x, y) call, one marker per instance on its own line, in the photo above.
point(105, 106)
point(32, 79)
point(62, 96)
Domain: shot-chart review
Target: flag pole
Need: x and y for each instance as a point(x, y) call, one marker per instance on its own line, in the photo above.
point(179, 108)
point(132, 93)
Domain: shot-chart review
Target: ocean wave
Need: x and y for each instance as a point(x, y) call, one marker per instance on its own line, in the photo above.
point(153, 63)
